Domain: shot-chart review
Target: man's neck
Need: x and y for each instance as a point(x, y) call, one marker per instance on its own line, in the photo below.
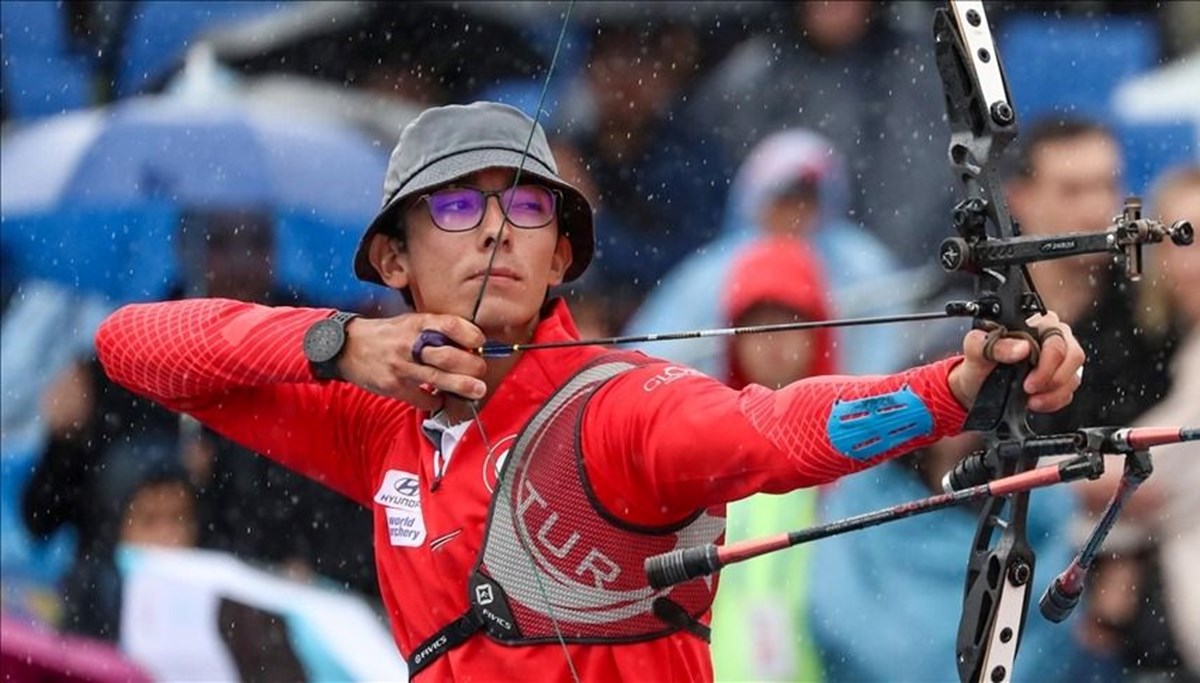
point(459, 409)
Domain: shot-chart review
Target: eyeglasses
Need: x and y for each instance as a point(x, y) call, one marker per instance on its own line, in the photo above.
point(460, 209)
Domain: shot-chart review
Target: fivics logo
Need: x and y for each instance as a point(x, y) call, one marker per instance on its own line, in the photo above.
point(483, 595)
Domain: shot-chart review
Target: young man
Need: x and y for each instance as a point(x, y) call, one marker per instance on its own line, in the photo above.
point(1067, 178)
point(596, 460)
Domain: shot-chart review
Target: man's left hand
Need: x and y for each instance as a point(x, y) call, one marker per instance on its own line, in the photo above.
point(1050, 385)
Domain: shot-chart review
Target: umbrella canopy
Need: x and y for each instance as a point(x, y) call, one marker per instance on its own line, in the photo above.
point(448, 47)
point(163, 148)
point(89, 198)
point(30, 654)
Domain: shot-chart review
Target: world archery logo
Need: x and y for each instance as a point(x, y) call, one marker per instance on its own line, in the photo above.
point(400, 495)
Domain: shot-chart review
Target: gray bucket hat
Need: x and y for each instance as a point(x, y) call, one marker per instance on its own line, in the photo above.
point(447, 143)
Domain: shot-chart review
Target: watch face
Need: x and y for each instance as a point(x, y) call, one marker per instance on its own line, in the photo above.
point(323, 341)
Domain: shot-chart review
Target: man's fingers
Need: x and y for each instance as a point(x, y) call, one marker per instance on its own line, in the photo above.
point(1011, 350)
point(973, 344)
point(1051, 402)
point(459, 385)
point(418, 397)
point(1068, 374)
point(459, 330)
point(454, 360)
point(1053, 354)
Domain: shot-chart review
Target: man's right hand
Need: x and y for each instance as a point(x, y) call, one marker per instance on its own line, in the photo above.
point(378, 357)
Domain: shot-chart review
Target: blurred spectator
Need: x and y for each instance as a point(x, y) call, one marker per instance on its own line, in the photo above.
point(1145, 594)
point(660, 184)
point(599, 310)
point(758, 617)
point(793, 184)
point(45, 326)
point(1068, 179)
point(143, 496)
point(249, 506)
point(846, 71)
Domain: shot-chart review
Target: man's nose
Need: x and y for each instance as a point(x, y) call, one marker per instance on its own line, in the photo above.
point(492, 225)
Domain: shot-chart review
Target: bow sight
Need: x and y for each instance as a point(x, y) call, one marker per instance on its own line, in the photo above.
point(972, 252)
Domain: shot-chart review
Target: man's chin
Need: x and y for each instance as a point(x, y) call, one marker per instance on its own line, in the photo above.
point(506, 320)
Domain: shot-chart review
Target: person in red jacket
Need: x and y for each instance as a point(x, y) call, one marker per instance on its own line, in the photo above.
point(515, 498)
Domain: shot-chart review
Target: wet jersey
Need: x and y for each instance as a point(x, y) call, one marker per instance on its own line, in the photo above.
point(660, 442)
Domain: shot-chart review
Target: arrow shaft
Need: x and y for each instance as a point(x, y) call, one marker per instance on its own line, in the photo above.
point(497, 350)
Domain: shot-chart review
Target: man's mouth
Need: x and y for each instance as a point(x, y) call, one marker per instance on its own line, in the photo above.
point(496, 274)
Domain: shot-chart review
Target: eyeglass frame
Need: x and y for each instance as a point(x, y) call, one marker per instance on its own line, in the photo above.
point(555, 193)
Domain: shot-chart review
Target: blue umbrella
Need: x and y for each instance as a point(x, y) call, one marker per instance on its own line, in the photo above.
point(89, 197)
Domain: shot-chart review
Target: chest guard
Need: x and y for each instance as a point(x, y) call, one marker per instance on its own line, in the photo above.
point(554, 563)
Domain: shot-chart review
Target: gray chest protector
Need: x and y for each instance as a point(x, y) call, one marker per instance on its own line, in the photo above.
point(554, 563)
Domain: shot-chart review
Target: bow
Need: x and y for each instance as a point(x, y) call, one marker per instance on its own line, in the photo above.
point(989, 246)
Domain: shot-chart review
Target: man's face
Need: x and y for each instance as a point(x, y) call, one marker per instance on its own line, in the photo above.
point(794, 213)
point(160, 514)
point(835, 25)
point(1075, 187)
point(444, 270)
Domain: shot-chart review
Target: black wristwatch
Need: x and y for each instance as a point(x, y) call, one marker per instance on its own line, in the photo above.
point(323, 344)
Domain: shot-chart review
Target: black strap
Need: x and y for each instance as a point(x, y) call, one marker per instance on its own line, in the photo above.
point(449, 637)
point(670, 612)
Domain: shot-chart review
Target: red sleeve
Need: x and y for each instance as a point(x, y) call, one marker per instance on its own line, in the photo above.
point(240, 369)
point(662, 441)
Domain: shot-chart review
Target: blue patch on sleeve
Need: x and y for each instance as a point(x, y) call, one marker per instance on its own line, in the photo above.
point(866, 427)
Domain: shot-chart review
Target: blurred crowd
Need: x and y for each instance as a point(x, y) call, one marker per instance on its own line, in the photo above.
point(751, 163)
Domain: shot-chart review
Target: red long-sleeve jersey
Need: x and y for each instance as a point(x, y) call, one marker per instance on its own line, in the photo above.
point(659, 442)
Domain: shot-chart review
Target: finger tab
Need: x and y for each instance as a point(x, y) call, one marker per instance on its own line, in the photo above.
point(426, 339)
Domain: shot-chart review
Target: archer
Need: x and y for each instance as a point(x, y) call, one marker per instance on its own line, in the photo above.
point(516, 498)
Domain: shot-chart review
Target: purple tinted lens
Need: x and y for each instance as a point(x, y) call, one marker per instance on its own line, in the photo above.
point(529, 206)
point(456, 209)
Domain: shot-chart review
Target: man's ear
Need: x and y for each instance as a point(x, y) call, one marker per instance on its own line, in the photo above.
point(561, 260)
point(389, 260)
